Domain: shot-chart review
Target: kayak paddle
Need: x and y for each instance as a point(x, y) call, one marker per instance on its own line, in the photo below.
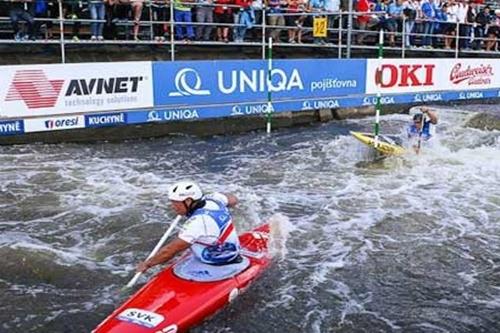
point(419, 144)
point(156, 249)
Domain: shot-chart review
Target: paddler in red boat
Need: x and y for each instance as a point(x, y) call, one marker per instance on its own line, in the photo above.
point(208, 231)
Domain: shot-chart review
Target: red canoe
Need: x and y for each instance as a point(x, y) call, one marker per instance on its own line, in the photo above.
point(171, 304)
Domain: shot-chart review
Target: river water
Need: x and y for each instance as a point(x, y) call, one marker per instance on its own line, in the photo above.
point(403, 245)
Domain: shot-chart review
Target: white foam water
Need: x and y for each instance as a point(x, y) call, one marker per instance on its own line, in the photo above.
point(398, 245)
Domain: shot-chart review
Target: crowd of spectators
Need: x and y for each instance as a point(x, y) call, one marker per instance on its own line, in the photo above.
point(416, 23)
point(433, 23)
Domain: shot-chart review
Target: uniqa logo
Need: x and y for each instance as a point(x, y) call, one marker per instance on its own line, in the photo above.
point(373, 100)
point(306, 105)
point(173, 115)
point(188, 83)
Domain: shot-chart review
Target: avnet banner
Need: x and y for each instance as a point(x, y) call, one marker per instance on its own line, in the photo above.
point(194, 83)
point(423, 75)
point(34, 90)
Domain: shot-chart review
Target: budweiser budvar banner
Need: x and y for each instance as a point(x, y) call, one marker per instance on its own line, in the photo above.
point(422, 75)
point(41, 90)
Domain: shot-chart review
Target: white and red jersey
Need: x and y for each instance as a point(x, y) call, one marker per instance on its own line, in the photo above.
point(211, 232)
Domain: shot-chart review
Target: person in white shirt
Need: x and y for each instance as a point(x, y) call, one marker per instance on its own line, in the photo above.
point(209, 231)
point(463, 29)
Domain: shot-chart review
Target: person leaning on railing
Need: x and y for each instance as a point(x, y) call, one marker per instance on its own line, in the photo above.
point(183, 18)
point(244, 19)
point(410, 15)
point(97, 10)
point(317, 6)
point(20, 10)
point(429, 16)
point(204, 14)
point(161, 12)
point(276, 8)
point(493, 32)
point(223, 15)
point(482, 20)
point(395, 20)
point(295, 21)
point(364, 22)
point(72, 11)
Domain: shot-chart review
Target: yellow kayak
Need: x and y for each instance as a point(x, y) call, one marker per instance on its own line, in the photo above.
point(384, 145)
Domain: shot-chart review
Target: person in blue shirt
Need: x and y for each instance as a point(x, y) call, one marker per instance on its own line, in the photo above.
point(420, 128)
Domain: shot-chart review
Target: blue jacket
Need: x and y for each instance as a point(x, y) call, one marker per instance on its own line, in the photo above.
point(247, 18)
point(426, 131)
point(429, 10)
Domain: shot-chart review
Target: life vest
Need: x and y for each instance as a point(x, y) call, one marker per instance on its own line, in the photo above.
point(224, 249)
point(413, 132)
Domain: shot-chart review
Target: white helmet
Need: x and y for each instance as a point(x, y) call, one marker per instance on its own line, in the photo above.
point(183, 190)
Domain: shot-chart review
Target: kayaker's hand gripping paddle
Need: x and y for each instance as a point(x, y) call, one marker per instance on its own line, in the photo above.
point(156, 249)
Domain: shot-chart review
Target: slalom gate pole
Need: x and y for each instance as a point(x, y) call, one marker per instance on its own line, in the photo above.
point(378, 78)
point(269, 69)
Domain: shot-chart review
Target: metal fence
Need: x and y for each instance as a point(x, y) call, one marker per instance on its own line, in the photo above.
point(342, 32)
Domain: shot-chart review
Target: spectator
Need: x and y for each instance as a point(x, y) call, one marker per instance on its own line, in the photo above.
point(42, 9)
point(471, 24)
point(97, 12)
point(161, 12)
point(482, 20)
point(363, 6)
point(296, 22)
point(244, 19)
point(450, 27)
point(277, 18)
point(204, 14)
point(493, 31)
point(333, 6)
point(257, 6)
point(317, 6)
point(19, 12)
point(223, 15)
point(429, 16)
point(136, 13)
point(410, 14)
point(72, 11)
point(395, 20)
point(183, 18)
point(463, 27)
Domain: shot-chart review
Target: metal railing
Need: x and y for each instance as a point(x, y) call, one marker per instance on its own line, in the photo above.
point(341, 32)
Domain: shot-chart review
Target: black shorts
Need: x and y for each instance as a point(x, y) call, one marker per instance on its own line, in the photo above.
point(226, 18)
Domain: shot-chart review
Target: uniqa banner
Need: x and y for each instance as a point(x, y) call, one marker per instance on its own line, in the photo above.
point(192, 83)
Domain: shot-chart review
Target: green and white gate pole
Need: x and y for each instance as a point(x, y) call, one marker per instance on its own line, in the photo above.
point(378, 78)
point(269, 69)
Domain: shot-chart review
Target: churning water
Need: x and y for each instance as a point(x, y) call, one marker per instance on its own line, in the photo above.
point(403, 245)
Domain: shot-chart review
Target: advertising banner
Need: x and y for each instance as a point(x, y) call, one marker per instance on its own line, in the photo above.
point(35, 90)
point(12, 127)
point(390, 76)
point(105, 119)
point(53, 123)
point(193, 83)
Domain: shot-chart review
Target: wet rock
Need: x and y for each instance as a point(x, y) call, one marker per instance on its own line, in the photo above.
point(485, 121)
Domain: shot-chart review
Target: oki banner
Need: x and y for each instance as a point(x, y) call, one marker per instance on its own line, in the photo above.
point(194, 83)
point(34, 90)
point(422, 75)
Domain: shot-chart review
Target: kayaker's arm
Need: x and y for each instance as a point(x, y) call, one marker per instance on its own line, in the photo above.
point(165, 254)
point(432, 115)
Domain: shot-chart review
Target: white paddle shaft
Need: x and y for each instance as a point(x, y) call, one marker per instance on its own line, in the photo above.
point(156, 249)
